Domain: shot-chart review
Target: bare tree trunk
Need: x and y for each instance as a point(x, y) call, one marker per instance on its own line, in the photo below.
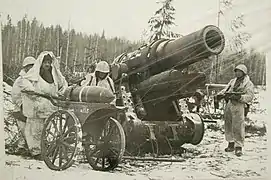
point(52, 39)
point(96, 49)
point(60, 52)
point(29, 41)
point(115, 50)
point(58, 41)
point(212, 71)
point(8, 56)
point(259, 71)
point(85, 60)
point(38, 38)
point(75, 61)
point(16, 48)
point(67, 49)
point(32, 40)
point(20, 42)
point(13, 47)
point(35, 39)
point(250, 64)
point(216, 68)
point(25, 40)
point(67, 54)
point(263, 68)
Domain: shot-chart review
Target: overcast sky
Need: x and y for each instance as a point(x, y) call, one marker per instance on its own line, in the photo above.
point(128, 18)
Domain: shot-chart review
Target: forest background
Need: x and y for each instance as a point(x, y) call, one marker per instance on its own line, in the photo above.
point(78, 50)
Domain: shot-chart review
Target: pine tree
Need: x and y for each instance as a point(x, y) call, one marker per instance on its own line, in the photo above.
point(239, 38)
point(162, 21)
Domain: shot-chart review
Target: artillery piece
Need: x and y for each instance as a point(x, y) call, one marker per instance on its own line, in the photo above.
point(150, 81)
point(148, 117)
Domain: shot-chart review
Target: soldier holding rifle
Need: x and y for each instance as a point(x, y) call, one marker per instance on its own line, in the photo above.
point(238, 93)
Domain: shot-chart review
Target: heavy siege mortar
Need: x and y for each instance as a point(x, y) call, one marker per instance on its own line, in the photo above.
point(150, 82)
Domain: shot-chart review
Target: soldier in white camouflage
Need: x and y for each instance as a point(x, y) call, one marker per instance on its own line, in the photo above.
point(242, 93)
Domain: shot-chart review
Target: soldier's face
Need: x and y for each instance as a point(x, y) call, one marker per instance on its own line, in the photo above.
point(46, 64)
point(238, 73)
point(101, 75)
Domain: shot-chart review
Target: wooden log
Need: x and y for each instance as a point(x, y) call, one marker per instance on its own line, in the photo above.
point(152, 159)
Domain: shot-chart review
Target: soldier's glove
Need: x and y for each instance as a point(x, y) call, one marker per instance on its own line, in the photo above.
point(235, 97)
point(61, 96)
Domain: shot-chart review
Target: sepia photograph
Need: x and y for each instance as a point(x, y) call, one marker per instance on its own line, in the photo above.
point(134, 89)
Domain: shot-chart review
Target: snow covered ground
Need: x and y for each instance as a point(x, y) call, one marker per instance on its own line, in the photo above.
point(204, 161)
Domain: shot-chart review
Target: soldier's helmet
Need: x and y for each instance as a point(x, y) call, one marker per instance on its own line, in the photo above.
point(28, 61)
point(242, 68)
point(103, 66)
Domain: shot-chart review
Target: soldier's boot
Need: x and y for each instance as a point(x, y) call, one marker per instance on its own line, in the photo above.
point(238, 151)
point(230, 147)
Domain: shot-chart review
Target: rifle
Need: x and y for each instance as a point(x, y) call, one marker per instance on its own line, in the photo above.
point(230, 95)
point(19, 115)
point(234, 93)
point(226, 96)
point(47, 96)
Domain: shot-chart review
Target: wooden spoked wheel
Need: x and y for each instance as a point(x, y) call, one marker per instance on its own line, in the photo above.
point(105, 151)
point(61, 137)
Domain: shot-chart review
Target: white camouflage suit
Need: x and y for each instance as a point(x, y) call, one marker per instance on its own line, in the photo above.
point(17, 100)
point(91, 80)
point(37, 109)
point(234, 111)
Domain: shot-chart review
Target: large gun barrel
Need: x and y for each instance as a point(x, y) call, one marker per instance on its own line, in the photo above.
point(151, 81)
point(166, 54)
